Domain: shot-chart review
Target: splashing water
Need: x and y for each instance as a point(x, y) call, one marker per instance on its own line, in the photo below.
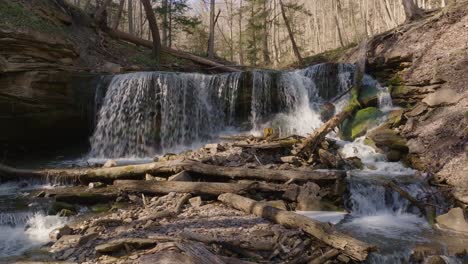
point(27, 232)
point(155, 112)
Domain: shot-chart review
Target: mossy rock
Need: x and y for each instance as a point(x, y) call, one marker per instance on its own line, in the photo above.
point(363, 120)
point(400, 91)
point(393, 145)
point(57, 207)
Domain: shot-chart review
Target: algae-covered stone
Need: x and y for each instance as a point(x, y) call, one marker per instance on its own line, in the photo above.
point(57, 207)
point(363, 120)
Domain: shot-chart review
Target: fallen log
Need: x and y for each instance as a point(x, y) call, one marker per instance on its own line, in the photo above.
point(427, 210)
point(164, 187)
point(149, 44)
point(133, 172)
point(310, 144)
point(270, 145)
point(350, 246)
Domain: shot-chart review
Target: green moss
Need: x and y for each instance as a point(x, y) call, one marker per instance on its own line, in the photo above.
point(363, 120)
point(396, 80)
point(14, 15)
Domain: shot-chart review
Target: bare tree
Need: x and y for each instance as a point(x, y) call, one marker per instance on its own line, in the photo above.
point(291, 33)
point(154, 29)
point(131, 28)
point(119, 14)
point(412, 10)
point(211, 52)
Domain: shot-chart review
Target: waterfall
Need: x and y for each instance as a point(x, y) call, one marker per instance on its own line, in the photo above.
point(146, 113)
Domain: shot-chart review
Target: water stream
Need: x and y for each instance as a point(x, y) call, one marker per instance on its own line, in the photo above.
point(149, 113)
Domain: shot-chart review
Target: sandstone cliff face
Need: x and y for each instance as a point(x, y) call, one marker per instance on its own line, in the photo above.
point(426, 65)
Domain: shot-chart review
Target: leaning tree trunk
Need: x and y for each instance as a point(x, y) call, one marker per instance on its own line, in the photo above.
point(291, 33)
point(154, 29)
point(211, 52)
point(412, 11)
point(310, 144)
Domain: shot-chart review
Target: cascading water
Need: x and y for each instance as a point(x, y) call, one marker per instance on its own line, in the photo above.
point(23, 224)
point(147, 113)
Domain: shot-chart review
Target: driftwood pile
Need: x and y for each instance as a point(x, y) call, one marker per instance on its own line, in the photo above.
point(249, 178)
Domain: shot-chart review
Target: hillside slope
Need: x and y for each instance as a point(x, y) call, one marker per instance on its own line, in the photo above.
point(426, 65)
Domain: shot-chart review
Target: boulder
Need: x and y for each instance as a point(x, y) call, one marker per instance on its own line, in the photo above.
point(57, 233)
point(358, 125)
point(196, 201)
point(392, 144)
point(57, 206)
point(454, 220)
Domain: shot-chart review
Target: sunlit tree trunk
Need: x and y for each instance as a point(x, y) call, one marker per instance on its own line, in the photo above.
point(211, 52)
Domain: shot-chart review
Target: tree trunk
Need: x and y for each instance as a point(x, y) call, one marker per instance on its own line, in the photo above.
point(412, 11)
point(165, 23)
point(310, 144)
point(119, 15)
point(352, 247)
point(99, 15)
point(291, 33)
point(241, 50)
point(131, 28)
point(265, 51)
point(133, 172)
point(196, 188)
point(211, 52)
point(154, 29)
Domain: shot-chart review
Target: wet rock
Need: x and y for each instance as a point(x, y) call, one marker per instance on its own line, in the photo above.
point(96, 185)
point(354, 163)
point(392, 144)
point(363, 120)
point(454, 220)
point(168, 157)
point(66, 213)
point(57, 233)
point(181, 176)
point(57, 207)
point(415, 146)
point(196, 201)
point(110, 164)
point(116, 245)
point(135, 199)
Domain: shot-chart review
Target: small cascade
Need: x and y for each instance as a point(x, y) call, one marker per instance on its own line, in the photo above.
point(23, 222)
point(146, 113)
